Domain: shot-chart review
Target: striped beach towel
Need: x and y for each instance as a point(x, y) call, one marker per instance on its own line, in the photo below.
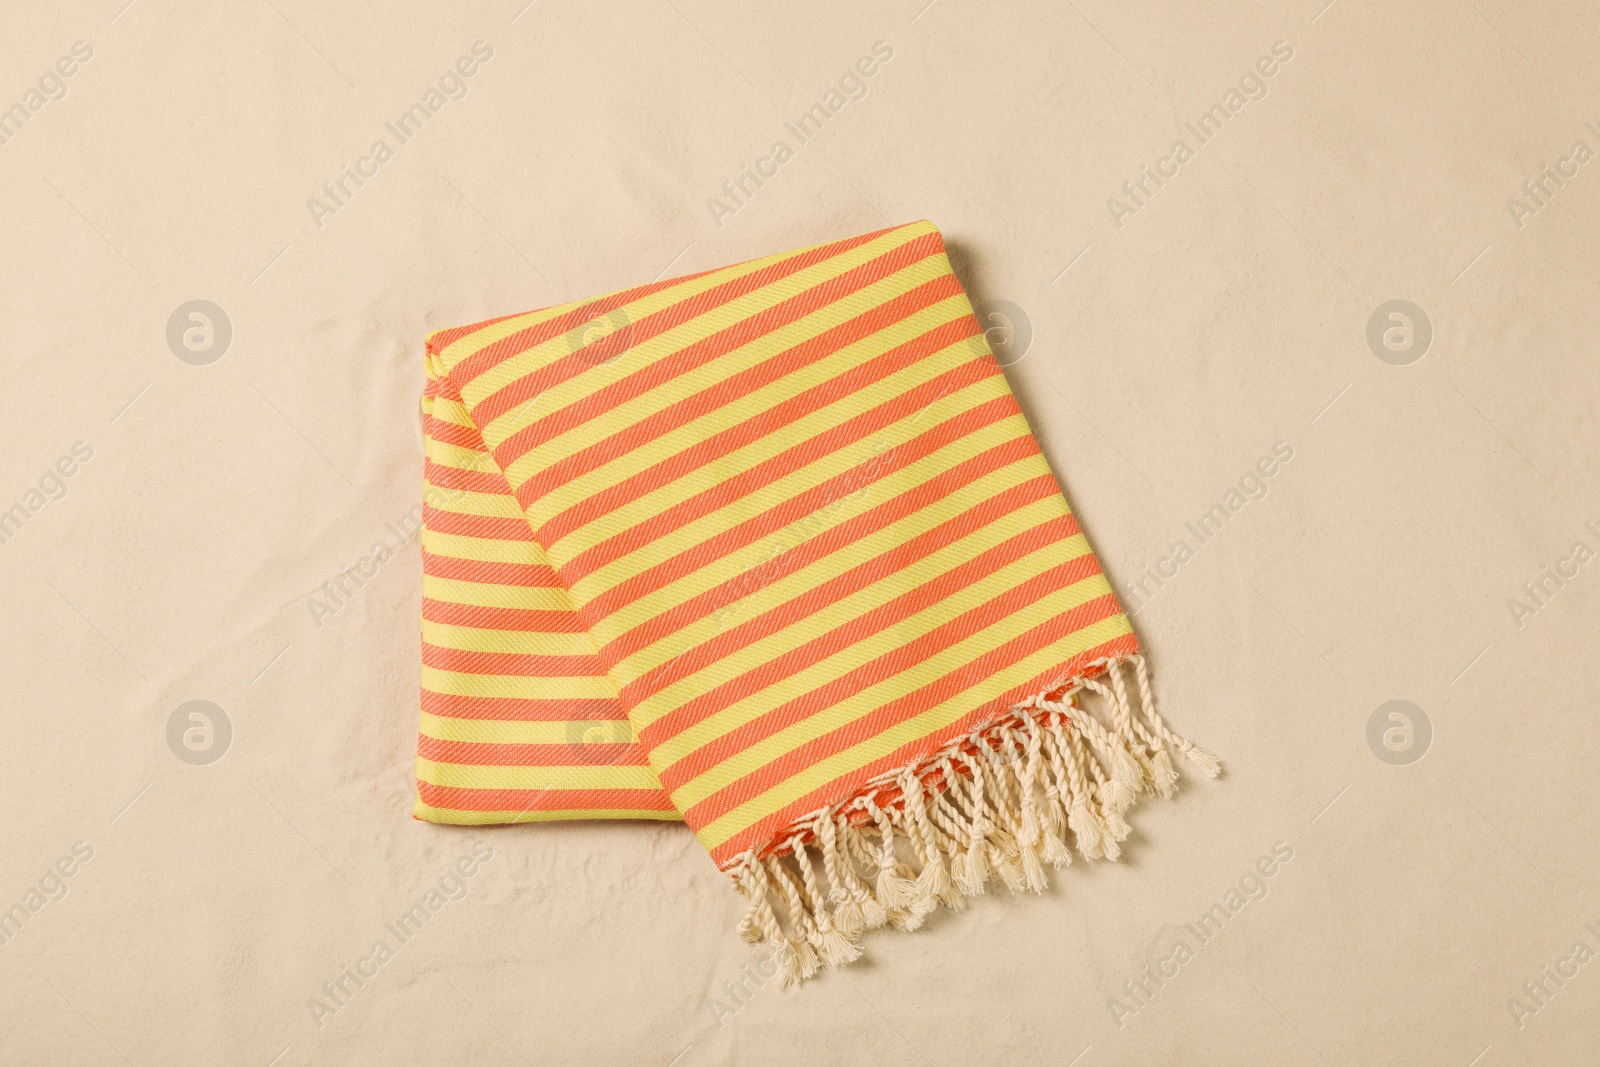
point(770, 549)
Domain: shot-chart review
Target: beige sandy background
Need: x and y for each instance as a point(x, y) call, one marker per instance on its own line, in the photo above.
point(1438, 861)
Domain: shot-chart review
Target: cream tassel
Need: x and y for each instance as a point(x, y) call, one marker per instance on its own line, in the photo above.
point(1002, 848)
point(761, 923)
point(847, 917)
point(1059, 792)
point(833, 945)
point(856, 857)
point(802, 942)
point(1040, 827)
point(1159, 773)
point(1087, 827)
point(1208, 763)
point(1105, 816)
point(946, 814)
point(1125, 777)
point(972, 868)
point(895, 892)
point(933, 883)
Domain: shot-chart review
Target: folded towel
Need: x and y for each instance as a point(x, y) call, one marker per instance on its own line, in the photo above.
point(771, 549)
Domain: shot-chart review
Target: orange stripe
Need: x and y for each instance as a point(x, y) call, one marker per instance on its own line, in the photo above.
point(526, 575)
point(442, 477)
point(439, 340)
point(481, 754)
point(764, 832)
point(452, 798)
point(517, 709)
point(493, 527)
point(451, 433)
point(511, 663)
point(484, 618)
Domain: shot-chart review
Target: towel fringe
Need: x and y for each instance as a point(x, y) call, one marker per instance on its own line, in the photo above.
point(1001, 800)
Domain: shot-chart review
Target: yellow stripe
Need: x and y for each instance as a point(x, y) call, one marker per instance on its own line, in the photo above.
point(598, 776)
point(484, 549)
point(455, 683)
point(453, 411)
point(462, 817)
point(485, 594)
point(521, 642)
point(517, 732)
point(466, 459)
point(466, 502)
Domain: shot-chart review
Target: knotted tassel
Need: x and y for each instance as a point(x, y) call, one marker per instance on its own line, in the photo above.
point(973, 873)
point(805, 937)
point(761, 922)
point(933, 883)
point(1083, 814)
point(1004, 852)
point(846, 898)
point(944, 813)
point(855, 852)
point(1159, 772)
point(1118, 791)
point(1209, 765)
point(835, 948)
point(1055, 786)
point(895, 892)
